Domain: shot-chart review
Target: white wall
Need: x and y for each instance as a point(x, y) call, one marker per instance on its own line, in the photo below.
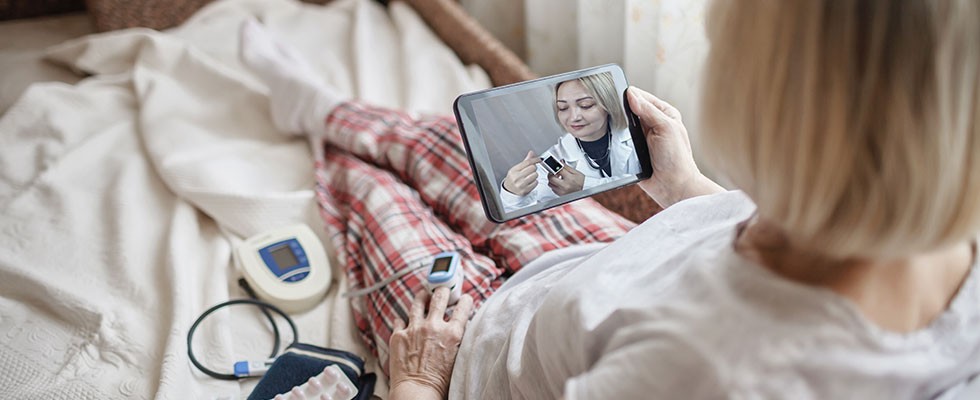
point(514, 124)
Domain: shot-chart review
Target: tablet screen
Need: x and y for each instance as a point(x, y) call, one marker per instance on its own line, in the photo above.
point(576, 123)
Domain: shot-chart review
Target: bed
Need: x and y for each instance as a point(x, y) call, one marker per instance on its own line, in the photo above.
point(131, 159)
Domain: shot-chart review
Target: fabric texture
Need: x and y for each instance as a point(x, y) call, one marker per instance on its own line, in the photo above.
point(301, 361)
point(121, 197)
point(22, 45)
point(109, 15)
point(298, 98)
point(396, 190)
point(670, 311)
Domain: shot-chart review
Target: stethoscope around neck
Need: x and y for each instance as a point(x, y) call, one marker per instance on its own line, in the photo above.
point(595, 163)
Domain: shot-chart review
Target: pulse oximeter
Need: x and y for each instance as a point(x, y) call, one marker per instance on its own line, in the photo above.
point(445, 272)
point(552, 164)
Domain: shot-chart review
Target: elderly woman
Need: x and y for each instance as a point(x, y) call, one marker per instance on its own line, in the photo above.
point(844, 268)
point(597, 147)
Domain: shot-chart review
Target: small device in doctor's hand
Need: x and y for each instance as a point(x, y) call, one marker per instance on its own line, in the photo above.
point(445, 271)
point(551, 164)
point(286, 267)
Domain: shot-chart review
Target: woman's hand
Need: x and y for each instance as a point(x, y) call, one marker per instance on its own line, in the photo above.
point(422, 355)
point(675, 174)
point(568, 180)
point(522, 178)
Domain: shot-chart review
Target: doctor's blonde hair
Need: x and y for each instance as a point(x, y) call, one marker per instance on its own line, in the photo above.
point(852, 124)
point(603, 89)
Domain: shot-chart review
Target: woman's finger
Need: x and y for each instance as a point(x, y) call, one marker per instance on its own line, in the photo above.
point(437, 306)
point(564, 171)
point(529, 170)
point(461, 314)
point(664, 106)
point(659, 103)
point(528, 179)
point(553, 180)
point(529, 159)
point(399, 326)
point(656, 101)
point(568, 171)
point(515, 171)
point(650, 116)
point(417, 312)
point(561, 187)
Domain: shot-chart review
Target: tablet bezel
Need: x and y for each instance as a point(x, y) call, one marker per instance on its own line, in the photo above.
point(477, 154)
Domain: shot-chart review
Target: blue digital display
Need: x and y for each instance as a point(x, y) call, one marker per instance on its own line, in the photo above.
point(286, 260)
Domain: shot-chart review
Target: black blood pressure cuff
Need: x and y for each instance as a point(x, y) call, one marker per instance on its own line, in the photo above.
point(301, 361)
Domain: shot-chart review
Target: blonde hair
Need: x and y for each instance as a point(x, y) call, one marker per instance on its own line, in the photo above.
point(851, 124)
point(603, 89)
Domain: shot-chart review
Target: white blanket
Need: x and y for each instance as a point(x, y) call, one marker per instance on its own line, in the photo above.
point(118, 196)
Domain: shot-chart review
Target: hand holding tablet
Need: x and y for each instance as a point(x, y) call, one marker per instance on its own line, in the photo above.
point(580, 124)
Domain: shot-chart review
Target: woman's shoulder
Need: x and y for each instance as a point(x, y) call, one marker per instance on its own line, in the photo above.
point(681, 292)
point(697, 213)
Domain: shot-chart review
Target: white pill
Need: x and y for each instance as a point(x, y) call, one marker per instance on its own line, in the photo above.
point(343, 389)
point(332, 373)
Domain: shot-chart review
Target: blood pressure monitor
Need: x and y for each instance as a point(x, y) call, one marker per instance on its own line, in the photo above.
point(286, 267)
point(445, 272)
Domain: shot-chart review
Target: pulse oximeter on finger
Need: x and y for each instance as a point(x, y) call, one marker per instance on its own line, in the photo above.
point(445, 272)
point(552, 164)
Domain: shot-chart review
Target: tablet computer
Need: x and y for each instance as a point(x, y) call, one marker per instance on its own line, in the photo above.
point(538, 144)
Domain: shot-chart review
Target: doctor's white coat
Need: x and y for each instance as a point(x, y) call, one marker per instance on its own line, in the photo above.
point(624, 163)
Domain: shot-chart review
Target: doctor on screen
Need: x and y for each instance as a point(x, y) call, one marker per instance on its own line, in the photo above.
point(597, 147)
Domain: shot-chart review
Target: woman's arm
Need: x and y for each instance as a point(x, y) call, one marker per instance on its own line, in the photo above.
point(423, 353)
point(675, 174)
point(414, 391)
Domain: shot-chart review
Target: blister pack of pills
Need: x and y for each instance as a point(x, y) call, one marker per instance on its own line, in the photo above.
point(331, 384)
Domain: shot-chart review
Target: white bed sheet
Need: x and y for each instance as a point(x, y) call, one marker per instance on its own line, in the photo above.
point(22, 44)
point(116, 193)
